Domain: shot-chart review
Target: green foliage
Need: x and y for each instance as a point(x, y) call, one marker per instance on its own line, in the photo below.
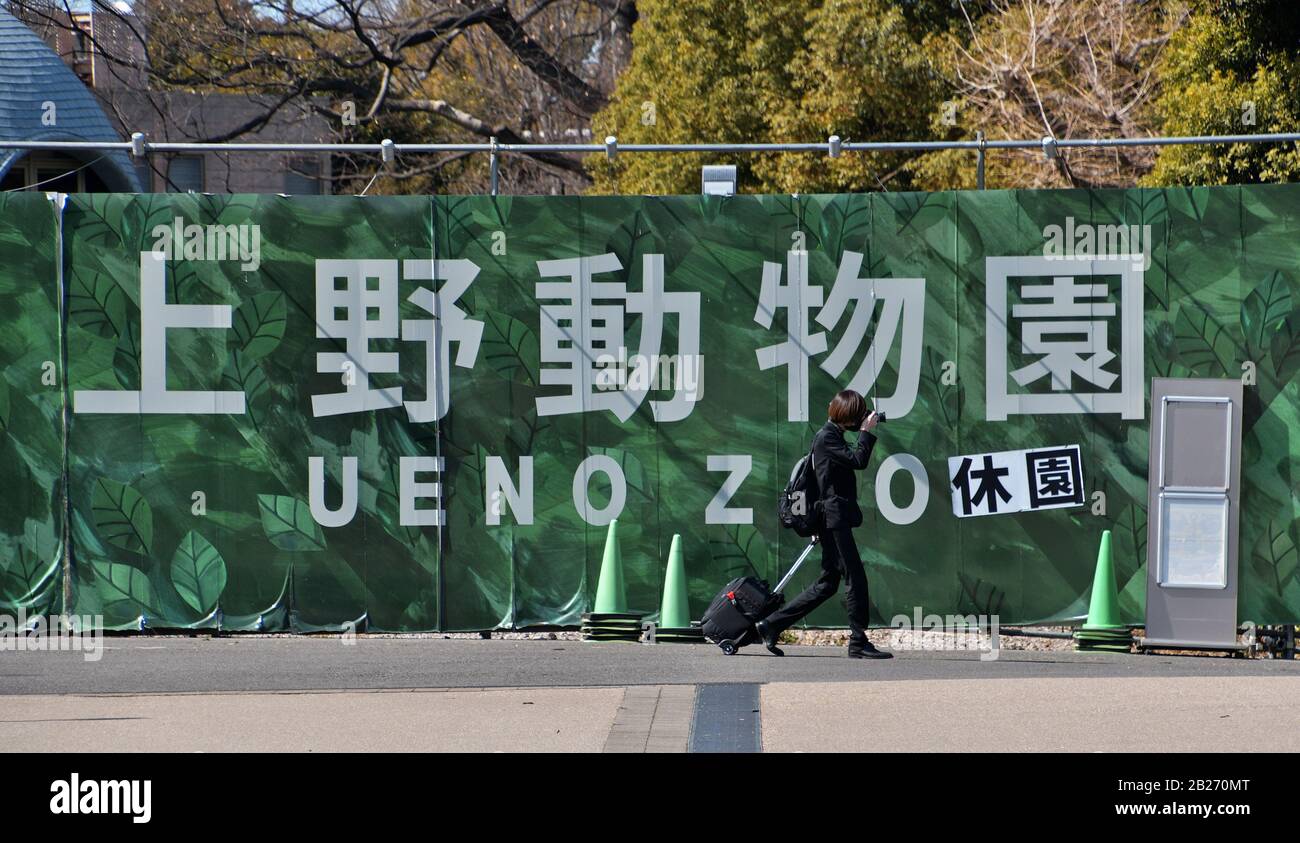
point(860, 73)
point(776, 70)
point(1233, 69)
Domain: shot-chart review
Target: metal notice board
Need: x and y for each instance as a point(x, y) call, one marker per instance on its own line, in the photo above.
point(1192, 513)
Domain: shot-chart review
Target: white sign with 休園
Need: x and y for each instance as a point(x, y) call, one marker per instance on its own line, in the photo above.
point(1016, 481)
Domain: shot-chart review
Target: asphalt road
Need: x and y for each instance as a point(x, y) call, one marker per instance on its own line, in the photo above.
point(163, 664)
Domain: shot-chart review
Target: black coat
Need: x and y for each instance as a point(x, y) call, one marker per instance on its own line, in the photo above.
point(835, 462)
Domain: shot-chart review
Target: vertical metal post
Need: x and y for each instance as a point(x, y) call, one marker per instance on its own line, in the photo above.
point(494, 162)
point(65, 407)
point(979, 162)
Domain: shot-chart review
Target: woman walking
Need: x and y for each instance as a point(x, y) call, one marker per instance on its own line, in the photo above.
point(834, 464)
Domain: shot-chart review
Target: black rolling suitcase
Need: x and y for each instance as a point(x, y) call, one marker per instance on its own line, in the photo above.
point(729, 621)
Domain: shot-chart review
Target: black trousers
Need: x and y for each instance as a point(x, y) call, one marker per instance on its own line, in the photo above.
point(840, 560)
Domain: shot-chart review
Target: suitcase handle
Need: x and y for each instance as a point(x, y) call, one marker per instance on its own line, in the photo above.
point(780, 587)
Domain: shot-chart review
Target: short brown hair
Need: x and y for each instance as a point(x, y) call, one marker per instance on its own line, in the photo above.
point(847, 408)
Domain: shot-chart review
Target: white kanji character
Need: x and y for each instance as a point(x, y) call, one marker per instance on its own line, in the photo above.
point(1066, 324)
point(1062, 358)
point(653, 302)
point(349, 307)
point(797, 297)
point(903, 304)
point(449, 323)
point(585, 336)
point(156, 318)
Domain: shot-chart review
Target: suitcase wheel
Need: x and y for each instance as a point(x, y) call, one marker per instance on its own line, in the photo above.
point(728, 646)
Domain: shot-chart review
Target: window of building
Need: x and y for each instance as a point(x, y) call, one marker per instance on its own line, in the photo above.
point(302, 177)
point(58, 180)
point(49, 172)
point(185, 174)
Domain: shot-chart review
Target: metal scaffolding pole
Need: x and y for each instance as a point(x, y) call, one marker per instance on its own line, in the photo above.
point(832, 146)
point(138, 146)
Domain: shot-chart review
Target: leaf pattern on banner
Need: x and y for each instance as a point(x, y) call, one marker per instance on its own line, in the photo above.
point(878, 559)
point(4, 404)
point(1132, 527)
point(638, 479)
point(978, 596)
point(837, 224)
point(243, 374)
point(632, 239)
point(1263, 312)
point(739, 548)
point(1163, 355)
point(916, 210)
point(471, 481)
point(525, 431)
point(510, 348)
point(1202, 344)
point(106, 219)
point(1275, 554)
point(126, 357)
point(1213, 257)
point(25, 574)
point(389, 504)
point(96, 302)
point(1284, 347)
point(122, 517)
point(287, 522)
point(1146, 207)
point(947, 397)
point(118, 583)
point(259, 324)
point(198, 572)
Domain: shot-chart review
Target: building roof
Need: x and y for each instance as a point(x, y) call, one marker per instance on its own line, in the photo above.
point(31, 74)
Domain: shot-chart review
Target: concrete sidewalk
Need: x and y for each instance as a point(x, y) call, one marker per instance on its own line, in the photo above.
point(505, 720)
point(1102, 714)
point(1143, 714)
point(183, 694)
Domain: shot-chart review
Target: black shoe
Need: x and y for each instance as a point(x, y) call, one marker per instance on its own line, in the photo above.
point(868, 651)
point(768, 637)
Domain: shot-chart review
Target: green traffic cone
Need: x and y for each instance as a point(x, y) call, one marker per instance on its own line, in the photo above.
point(675, 610)
point(1103, 608)
point(611, 595)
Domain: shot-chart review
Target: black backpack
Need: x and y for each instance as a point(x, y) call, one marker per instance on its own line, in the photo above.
point(800, 506)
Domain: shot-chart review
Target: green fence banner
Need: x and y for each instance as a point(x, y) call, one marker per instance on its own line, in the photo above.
point(421, 413)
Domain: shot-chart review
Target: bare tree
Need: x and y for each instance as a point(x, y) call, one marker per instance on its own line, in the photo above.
point(1062, 69)
point(412, 70)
